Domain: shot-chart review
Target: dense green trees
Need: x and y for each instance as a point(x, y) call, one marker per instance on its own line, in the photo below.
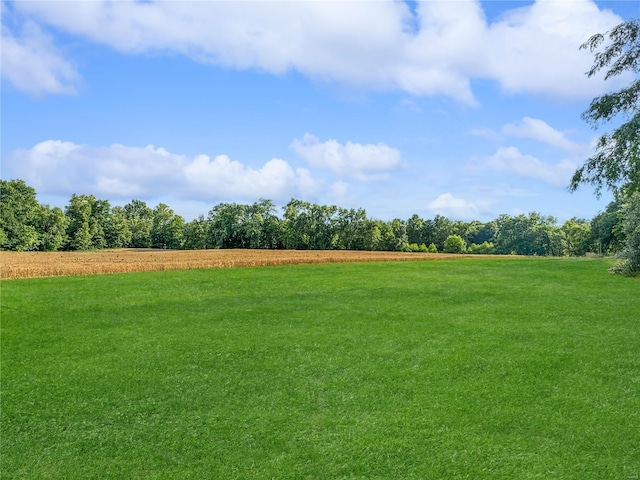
point(88, 219)
point(24, 223)
point(455, 244)
point(232, 225)
point(616, 161)
point(630, 232)
point(577, 235)
point(52, 228)
point(166, 228)
point(118, 229)
point(91, 223)
point(139, 220)
point(531, 234)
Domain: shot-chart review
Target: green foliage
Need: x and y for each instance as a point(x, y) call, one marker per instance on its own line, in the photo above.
point(196, 234)
point(604, 227)
point(20, 215)
point(532, 234)
point(414, 247)
point(117, 230)
point(88, 219)
point(166, 228)
point(392, 236)
point(485, 248)
point(89, 223)
point(616, 162)
point(630, 253)
point(353, 229)
point(140, 219)
point(52, 228)
point(577, 236)
point(503, 368)
point(311, 226)
point(440, 228)
point(455, 244)
point(233, 225)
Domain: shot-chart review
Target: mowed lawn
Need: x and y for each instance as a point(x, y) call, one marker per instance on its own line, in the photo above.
point(509, 368)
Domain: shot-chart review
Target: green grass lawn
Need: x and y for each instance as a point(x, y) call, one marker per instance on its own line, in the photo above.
point(474, 368)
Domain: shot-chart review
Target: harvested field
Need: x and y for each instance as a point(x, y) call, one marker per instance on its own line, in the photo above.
point(54, 264)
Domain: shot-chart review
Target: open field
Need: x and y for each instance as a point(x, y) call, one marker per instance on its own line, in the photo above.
point(54, 264)
point(517, 368)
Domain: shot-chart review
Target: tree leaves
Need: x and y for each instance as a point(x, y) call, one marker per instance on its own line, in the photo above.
point(616, 162)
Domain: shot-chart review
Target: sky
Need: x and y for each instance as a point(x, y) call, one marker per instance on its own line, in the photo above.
point(467, 109)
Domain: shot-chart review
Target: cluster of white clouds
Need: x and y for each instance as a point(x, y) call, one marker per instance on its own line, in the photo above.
point(352, 160)
point(32, 63)
point(124, 172)
point(449, 205)
point(541, 131)
point(510, 160)
point(120, 171)
point(437, 49)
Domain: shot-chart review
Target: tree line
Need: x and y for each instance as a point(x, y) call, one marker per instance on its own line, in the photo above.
point(88, 223)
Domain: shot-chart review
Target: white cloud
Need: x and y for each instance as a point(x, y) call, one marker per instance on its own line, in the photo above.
point(32, 63)
point(450, 206)
point(352, 160)
point(375, 45)
point(125, 172)
point(231, 179)
point(511, 160)
point(535, 48)
point(487, 133)
point(339, 193)
point(540, 131)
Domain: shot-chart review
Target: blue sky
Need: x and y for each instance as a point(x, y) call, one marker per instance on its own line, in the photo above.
point(459, 108)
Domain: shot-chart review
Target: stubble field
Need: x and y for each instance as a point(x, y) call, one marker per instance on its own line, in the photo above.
point(56, 264)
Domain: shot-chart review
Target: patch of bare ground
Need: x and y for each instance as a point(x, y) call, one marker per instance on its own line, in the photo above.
point(53, 264)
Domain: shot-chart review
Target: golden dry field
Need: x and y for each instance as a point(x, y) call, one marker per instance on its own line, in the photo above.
point(53, 264)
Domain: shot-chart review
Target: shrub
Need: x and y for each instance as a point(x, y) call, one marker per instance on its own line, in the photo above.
point(414, 247)
point(485, 248)
point(455, 244)
point(630, 254)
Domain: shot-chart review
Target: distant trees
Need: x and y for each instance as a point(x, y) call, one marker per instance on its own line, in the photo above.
point(310, 226)
point(90, 223)
point(166, 228)
point(232, 225)
point(52, 228)
point(577, 236)
point(484, 248)
point(532, 234)
point(24, 223)
point(139, 220)
point(117, 231)
point(196, 234)
point(605, 227)
point(455, 244)
point(88, 218)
